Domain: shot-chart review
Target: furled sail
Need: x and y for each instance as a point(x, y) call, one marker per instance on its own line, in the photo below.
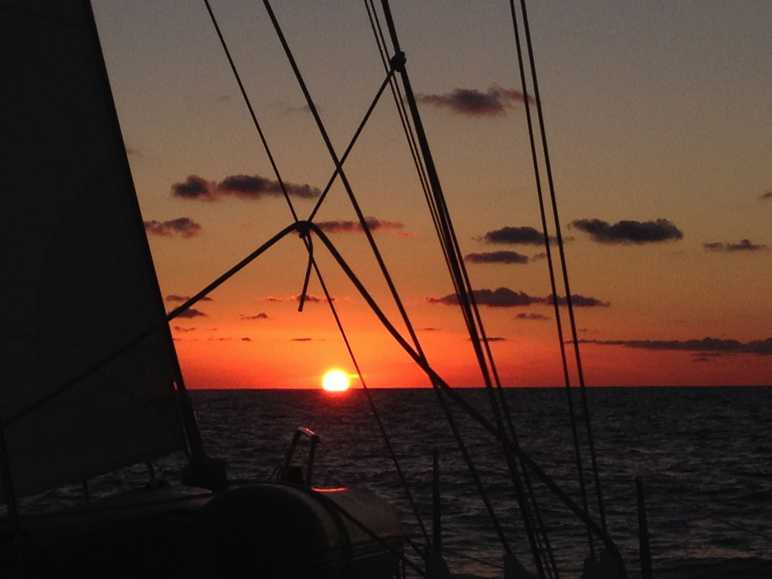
point(78, 280)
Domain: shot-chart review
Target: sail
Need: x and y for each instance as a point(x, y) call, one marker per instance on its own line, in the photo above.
point(78, 280)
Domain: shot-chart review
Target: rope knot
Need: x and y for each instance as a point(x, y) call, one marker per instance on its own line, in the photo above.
point(398, 61)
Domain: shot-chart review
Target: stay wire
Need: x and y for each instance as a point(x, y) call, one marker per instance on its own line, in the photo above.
point(366, 229)
point(459, 273)
point(307, 240)
point(564, 267)
point(551, 269)
point(381, 43)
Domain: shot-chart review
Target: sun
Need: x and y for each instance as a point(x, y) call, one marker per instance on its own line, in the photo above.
point(335, 380)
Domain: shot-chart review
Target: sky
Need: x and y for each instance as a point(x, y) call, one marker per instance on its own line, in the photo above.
point(658, 116)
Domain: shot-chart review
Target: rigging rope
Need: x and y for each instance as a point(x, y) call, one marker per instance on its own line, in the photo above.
point(564, 266)
point(379, 258)
point(312, 262)
point(464, 292)
point(551, 270)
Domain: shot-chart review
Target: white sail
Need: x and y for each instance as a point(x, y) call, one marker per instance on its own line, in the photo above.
point(77, 276)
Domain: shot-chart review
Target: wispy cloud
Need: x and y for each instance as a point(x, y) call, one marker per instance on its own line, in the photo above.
point(629, 231)
point(301, 339)
point(707, 346)
point(257, 316)
point(767, 196)
point(531, 316)
point(179, 298)
point(508, 257)
point(245, 339)
point(373, 224)
point(506, 298)
point(180, 227)
point(744, 245)
point(181, 329)
point(496, 101)
point(191, 313)
point(310, 299)
point(251, 187)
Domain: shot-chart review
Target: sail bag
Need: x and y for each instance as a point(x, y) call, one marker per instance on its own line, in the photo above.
point(78, 280)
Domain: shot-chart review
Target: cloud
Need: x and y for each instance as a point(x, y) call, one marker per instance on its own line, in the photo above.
point(246, 339)
point(241, 186)
point(373, 224)
point(514, 235)
point(531, 316)
point(181, 329)
point(500, 298)
point(766, 196)
point(132, 152)
point(429, 329)
point(193, 187)
point(258, 316)
point(496, 257)
point(579, 301)
point(310, 299)
point(506, 298)
point(301, 339)
point(538, 256)
point(495, 339)
point(496, 101)
point(179, 298)
point(629, 231)
point(255, 187)
point(182, 226)
point(293, 109)
point(191, 313)
point(742, 245)
point(705, 346)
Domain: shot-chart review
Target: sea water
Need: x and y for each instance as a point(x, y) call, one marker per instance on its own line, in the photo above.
point(704, 456)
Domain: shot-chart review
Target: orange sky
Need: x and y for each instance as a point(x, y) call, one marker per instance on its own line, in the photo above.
point(654, 112)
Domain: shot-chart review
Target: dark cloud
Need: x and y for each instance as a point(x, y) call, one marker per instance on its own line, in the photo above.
point(629, 231)
point(495, 339)
point(241, 186)
point(500, 298)
point(515, 236)
point(475, 103)
point(742, 245)
point(191, 313)
point(705, 346)
point(179, 298)
point(429, 329)
point(181, 329)
point(537, 256)
point(373, 224)
point(531, 316)
point(301, 339)
point(193, 187)
point(255, 187)
point(257, 316)
point(766, 196)
point(579, 301)
point(182, 226)
point(246, 339)
point(506, 298)
point(496, 257)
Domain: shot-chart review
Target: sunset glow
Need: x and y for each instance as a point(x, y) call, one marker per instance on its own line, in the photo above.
point(335, 380)
point(669, 241)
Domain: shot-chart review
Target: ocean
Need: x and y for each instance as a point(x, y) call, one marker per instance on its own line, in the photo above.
point(704, 455)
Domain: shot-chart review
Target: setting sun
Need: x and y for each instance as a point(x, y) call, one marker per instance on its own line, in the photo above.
point(335, 380)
